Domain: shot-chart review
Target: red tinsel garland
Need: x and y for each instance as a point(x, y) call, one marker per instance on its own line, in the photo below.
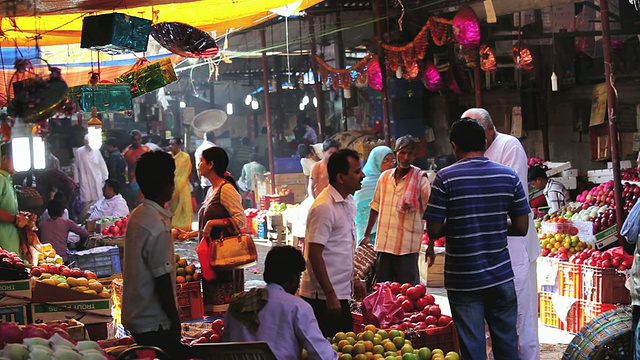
point(341, 78)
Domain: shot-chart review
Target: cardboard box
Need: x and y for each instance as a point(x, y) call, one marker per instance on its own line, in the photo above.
point(624, 164)
point(16, 314)
point(569, 182)
point(557, 167)
point(89, 312)
point(44, 293)
point(570, 172)
point(607, 238)
point(600, 176)
point(16, 292)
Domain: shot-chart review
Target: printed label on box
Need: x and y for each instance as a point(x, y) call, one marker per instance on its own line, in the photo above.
point(606, 237)
point(13, 292)
point(99, 311)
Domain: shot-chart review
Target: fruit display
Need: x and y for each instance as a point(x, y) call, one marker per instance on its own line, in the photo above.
point(589, 213)
point(566, 212)
point(420, 309)
point(600, 259)
point(186, 273)
point(67, 278)
point(630, 174)
point(47, 255)
point(382, 344)
point(12, 267)
point(441, 242)
point(603, 194)
point(278, 209)
point(209, 336)
point(535, 161)
point(561, 246)
point(119, 227)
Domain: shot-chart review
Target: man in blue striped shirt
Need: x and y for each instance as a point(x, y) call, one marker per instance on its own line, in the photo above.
point(471, 203)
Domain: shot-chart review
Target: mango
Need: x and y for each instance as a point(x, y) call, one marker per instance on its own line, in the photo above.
point(72, 282)
point(96, 286)
point(49, 282)
point(105, 295)
point(91, 292)
point(63, 285)
point(82, 281)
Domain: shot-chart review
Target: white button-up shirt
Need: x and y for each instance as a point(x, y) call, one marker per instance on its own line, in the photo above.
point(287, 324)
point(109, 208)
point(149, 255)
point(331, 223)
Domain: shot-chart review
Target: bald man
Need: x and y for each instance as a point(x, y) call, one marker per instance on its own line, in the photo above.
point(523, 250)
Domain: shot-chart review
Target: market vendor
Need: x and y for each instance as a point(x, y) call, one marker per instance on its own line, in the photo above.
point(555, 193)
point(55, 230)
point(111, 204)
point(10, 218)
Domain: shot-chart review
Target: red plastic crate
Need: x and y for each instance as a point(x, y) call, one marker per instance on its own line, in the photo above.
point(590, 310)
point(548, 316)
point(190, 301)
point(570, 280)
point(358, 323)
point(603, 285)
point(443, 338)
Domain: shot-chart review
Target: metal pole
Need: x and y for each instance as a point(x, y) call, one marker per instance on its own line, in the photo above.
point(478, 84)
point(267, 105)
point(341, 64)
point(613, 127)
point(317, 90)
point(386, 128)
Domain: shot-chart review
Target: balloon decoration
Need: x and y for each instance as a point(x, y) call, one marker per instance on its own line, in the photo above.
point(466, 28)
point(184, 40)
point(374, 74)
point(342, 78)
point(487, 59)
point(522, 56)
point(432, 79)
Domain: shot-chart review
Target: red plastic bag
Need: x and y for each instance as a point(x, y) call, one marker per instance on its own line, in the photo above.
point(204, 250)
point(380, 307)
point(618, 251)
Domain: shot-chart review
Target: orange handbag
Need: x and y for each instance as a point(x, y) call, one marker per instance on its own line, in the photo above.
point(233, 252)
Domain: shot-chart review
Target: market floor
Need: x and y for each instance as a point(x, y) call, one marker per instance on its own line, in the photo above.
point(553, 342)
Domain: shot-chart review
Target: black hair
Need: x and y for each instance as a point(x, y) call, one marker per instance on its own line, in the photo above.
point(112, 142)
point(339, 163)
point(468, 135)
point(536, 172)
point(303, 150)
point(220, 160)
point(210, 136)
point(114, 184)
point(155, 139)
point(5, 149)
point(255, 157)
point(329, 143)
point(282, 264)
point(55, 208)
point(134, 133)
point(60, 196)
point(177, 140)
point(154, 173)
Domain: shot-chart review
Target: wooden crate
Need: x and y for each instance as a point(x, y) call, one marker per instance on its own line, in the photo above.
point(297, 183)
point(433, 276)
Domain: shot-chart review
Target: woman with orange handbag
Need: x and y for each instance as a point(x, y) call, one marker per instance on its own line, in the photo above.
point(220, 214)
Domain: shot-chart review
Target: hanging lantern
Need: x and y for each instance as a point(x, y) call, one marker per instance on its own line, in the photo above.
point(466, 29)
point(487, 59)
point(374, 74)
point(432, 79)
point(412, 72)
point(184, 40)
point(522, 56)
point(361, 81)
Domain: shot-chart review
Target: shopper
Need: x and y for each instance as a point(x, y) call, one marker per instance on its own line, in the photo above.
point(10, 218)
point(90, 171)
point(249, 170)
point(523, 251)
point(308, 157)
point(111, 204)
point(329, 278)
point(221, 210)
point(555, 193)
point(149, 305)
point(275, 315)
point(115, 163)
point(131, 154)
point(319, 178)
point(380, 159)
point(180, 203)
point(475, 197)
point(56, 229)
point(154, 143)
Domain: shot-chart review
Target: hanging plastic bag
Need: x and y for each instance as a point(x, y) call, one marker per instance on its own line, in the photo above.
point(380, 308)
point(204, 250)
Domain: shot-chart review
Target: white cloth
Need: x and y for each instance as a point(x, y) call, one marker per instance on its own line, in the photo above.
point(45, 215)
point(287, 324)
point(331, 223)
point(307, 164)
point(198, 154)
point(507, 150)
point(90, 171)
point(149, 255)
point(153, 147)
point(109, 208)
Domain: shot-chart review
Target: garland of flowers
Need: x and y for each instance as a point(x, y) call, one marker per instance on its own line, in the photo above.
point(341, 78)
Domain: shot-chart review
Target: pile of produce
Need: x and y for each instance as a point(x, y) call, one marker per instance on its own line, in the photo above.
point(561, 245)
point(381, 344)
point(630, 174)
point(119, 227)
point(186, 273)
point(12, 267)
point(278, 209)
point(74, 279)
point(600, 259)
point(420, 308)
point(47, 254)
point(603, 194)
point(209, 336)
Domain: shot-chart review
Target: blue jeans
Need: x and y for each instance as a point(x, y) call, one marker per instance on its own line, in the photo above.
point(498, 306)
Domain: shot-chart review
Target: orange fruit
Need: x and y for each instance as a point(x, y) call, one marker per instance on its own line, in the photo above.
point(368, 345)
point(371, 328)
point(180, 279)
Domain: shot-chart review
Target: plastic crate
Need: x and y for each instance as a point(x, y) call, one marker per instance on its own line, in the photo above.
point(267, 200)
point(584, 228)
point(290, 165)
point(190, 303)
point(548, 316)
point(104, 261)
point(570, 280)
point(603, 285)
point(443, 338)
point(553, 228)
point(358, 323)
point(262, 229)
point(590, 310)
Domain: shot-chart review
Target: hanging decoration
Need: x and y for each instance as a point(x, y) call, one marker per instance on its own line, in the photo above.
point(522, 56)
point(487, 59)
point(374, 74)
point(466, 28)
point(6, 123)
point(342, 78)
point(184, 40)
point(432, 79)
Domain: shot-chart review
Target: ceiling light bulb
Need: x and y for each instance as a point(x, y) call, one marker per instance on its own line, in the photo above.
point(255, 105)
point(247, 100)
point(315, 101)
point(229, 109)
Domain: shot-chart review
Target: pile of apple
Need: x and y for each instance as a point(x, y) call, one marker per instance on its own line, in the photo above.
point(420, 308)
point(603, 194)
point(209, 336)
point(605, 260)
point(119, 227)
point(535, 161)
point(12, 267)
point(630, 174)
point(74, 279)
point(561, 246)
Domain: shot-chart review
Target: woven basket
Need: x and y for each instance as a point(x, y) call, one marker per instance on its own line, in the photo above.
point(607, 336)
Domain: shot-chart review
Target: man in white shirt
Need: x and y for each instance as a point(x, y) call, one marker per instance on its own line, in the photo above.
point(523, 251)
point(275, 315)
point(331, 236)
point(209, 138)
point(154, 143)
point(149, 305)
point(90, 171)
point(111, 204)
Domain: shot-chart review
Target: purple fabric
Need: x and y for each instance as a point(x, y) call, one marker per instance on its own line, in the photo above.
point(56, 231)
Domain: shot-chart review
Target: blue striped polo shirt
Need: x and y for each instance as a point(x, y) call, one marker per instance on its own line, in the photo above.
point(473, 198)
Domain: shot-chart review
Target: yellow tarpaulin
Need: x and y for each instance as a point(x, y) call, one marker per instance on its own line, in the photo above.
point(208, 15)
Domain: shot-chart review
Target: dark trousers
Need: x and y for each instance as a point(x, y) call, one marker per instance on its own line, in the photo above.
point(499, 307)
point(634, 326)
point(400, 268)
point(330, 324)
point(165, 341)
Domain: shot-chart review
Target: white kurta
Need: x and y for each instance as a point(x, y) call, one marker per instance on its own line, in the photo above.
point(90, 171)
point(109, 208)
point(507, 150)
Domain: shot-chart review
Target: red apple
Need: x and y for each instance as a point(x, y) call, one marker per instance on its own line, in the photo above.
point(395, 288)
point(404, 288)
point(430, 299)
point(421, 303)
point(435, 310)
point(422, 289)
point(444, 320)
point(407, 305)
point(413, 293)
point(431, 320)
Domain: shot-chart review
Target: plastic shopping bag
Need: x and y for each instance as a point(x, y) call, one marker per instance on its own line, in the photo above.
point(380, 307)
point(204, 250)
